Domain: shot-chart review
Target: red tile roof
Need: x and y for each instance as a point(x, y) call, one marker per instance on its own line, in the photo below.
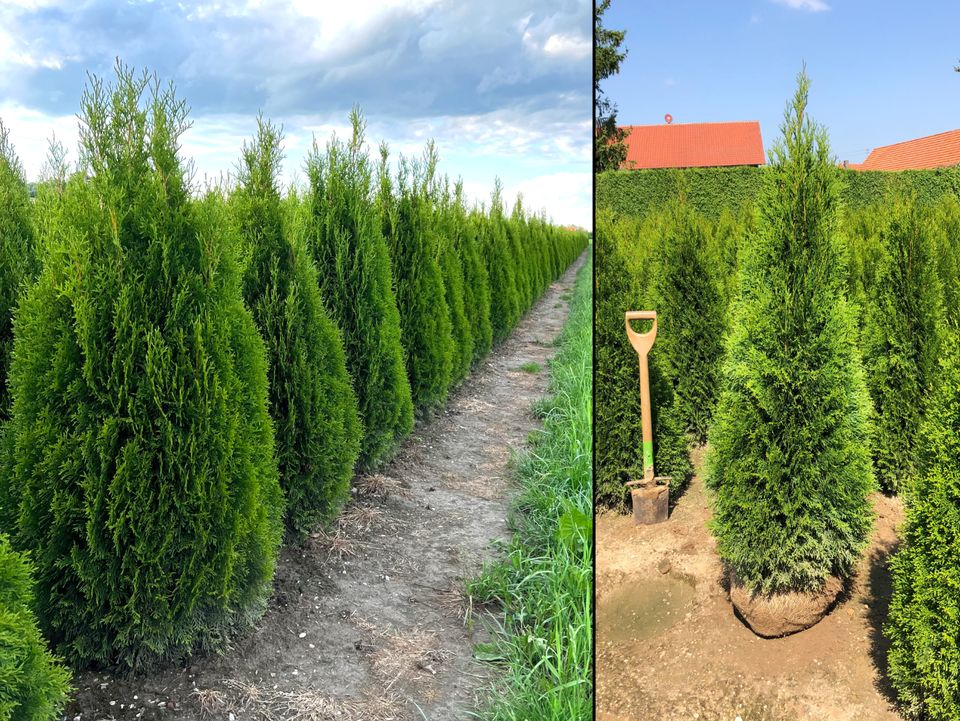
point(693, 145)
point(933, 151)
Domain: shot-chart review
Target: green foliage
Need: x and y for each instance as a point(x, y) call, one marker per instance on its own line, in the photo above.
point(425, 327)
point(476, 281)
point(17, 257)
point(312, 404)
point(690, 317)
point(544, 583)
point(501, 268)
point(618, 431)
point(726, 243)
point(33, 683)
point(923, 624)
point(519, 239)
point(609, 147)
point(143, 449)
point(946, 223)
point(901, 339)
point(790, 459)
point(351, 256)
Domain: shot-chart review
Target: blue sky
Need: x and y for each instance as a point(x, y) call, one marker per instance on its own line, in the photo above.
point(504, 86)
point(880, 71)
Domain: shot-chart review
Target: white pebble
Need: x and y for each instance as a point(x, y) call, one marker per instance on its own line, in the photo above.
point(303, 634)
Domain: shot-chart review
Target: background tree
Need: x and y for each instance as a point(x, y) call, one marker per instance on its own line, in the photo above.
point(476, 281)
point(611, 150)
point(312, 404)
point(790, 459)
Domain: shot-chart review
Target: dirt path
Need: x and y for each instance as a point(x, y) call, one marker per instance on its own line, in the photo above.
point(368, 622)
point(670, 647)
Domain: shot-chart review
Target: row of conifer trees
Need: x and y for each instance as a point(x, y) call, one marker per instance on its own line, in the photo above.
point(190, 378)
point(819, 352)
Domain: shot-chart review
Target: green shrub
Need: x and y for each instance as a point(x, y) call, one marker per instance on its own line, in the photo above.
point(923, 624)
point(425, 326)
point(619, 440)
point(690, 317)
point(476, 281)
point(946, 224)
point(143, 446)
point(726, 243)
point(901, 339)
point(865, 254)
point(312, 404)
point(790, 460)
point(351, 256)
point(518, 237)
point(501, 270)
point(33, 683)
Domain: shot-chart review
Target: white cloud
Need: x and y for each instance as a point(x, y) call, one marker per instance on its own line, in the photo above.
point(571, 46)
point(814, 6)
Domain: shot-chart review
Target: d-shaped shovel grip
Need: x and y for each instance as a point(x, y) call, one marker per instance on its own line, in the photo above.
point(641, 342)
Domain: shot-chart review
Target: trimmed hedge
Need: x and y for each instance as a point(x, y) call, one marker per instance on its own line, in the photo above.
point(33, 683)
point(143, 448)
point(312, 404)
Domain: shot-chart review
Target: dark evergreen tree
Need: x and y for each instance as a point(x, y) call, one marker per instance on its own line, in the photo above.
point(946, 226)
point(143, 449)
point(690, 315)
point(476, 281)
point(425, 327)
point(903, 322)
point(517, 235)
point(312, 403)
point(504, 299)
point(790, 459)
point(353, 262)
point(33, 683)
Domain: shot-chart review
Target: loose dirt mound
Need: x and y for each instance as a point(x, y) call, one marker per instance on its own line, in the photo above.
point(367, 620)
point(691, 658)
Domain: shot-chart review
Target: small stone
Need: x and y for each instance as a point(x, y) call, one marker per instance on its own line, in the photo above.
point(303, 634)
point(664, 565)
point(113, 703)
point(231, 717)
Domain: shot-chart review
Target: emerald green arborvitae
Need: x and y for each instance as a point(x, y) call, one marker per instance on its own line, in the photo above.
point(33, 683)
point(504, 299)
point(446, 224)
point(790, 458)
point(690, 317)
point(17, 256)
point(923, 624)
point(312, 403)
point(619, 440)
point(353, 263)
point(947, 225)
point(143, 448)
point(476, 281)
point(903, 322)
point(426, 330)
point(518, 238)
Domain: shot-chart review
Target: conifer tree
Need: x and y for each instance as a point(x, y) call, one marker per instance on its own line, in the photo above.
point(425, 327)
point(790, 459)
point(947, 229)
point(476, 281)
point(312, 404)
point(903, 322)
point(143, 449)
point(33, 683)
point(690, 315)
point(923, 624)
point(353, 263)
point(504, 299)
point(518, 237)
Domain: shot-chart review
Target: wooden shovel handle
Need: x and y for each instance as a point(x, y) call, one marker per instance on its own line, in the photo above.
point(641, 342)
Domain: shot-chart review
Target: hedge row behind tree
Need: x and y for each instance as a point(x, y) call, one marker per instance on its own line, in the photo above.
point(790, 460)
point(312, 403)
point(143, 449)
point(33, 683)
point(351, 255)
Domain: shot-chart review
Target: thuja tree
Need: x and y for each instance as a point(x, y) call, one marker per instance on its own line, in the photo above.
point(518, 236)
point(446, 223)
point(353, 262)
point(504, 298)
point(902, 326)
point(17, 256)
point(426, 330)
point(790, 459)
point(312, 404)
point(946, 225)
point(33, 683)
point(923, 624)
point(143, 448)
point(476, 281)
point(690, 315)
point(617, 389)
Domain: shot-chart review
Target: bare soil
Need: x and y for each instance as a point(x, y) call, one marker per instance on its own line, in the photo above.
point(689, 657)
point(369, 620)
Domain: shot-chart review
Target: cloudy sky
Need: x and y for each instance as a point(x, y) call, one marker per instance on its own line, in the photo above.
point(503, 86)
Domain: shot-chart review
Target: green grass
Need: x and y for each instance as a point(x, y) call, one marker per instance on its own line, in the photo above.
point(543, 584)
point(531, 367)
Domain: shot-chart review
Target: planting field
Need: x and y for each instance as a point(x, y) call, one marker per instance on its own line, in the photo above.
point(369, 621)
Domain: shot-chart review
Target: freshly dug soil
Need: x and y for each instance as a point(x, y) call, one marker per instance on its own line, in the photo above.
point(367, 621)
point(669, 645)
point(783, 613)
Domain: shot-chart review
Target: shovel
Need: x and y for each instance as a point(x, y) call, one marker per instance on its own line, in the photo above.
point(650, 495)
